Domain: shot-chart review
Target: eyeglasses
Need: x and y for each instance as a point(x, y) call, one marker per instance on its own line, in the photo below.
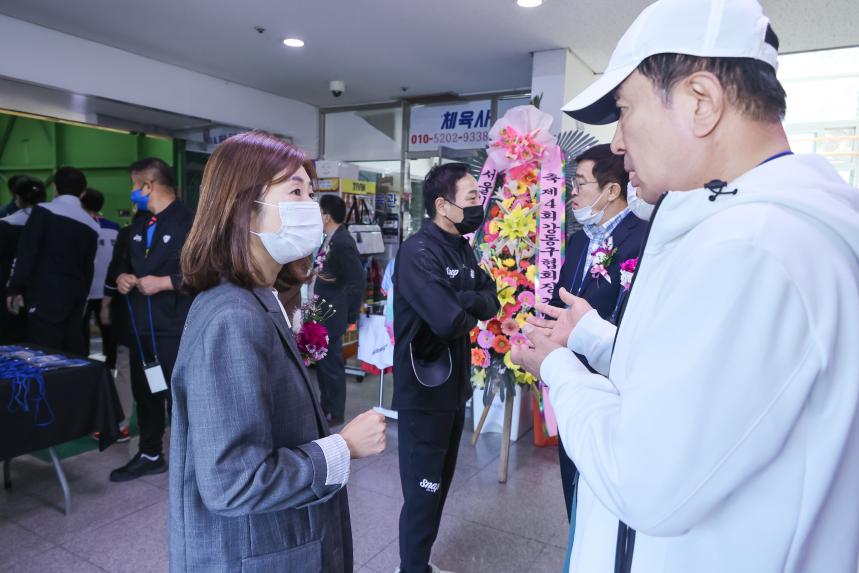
point(578, 184)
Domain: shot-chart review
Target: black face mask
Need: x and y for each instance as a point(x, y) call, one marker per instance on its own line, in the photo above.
point(472, 217)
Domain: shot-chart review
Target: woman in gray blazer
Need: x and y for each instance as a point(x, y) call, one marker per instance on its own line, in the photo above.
point(256, 481)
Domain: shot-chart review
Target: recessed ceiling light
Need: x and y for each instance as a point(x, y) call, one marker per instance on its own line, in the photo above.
point(293, 43)
point(529, 3)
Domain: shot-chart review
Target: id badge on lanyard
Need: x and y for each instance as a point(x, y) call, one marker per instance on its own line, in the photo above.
point(155, 377)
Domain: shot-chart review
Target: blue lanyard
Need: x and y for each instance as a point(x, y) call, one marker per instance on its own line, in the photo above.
point(22, 375)
point(150, 232)
point(776, 156)
point(578, 276)
point(137, 332)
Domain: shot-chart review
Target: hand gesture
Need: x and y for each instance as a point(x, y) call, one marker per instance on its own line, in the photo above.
point(365, 435)
point(565, 320)
point(150, 285)
point(531, 356)
point(125, 283)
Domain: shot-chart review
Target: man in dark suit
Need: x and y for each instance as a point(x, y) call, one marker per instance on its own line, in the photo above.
point(150, 277)
point(599, 204)
point(53, 267)
point(341, 284)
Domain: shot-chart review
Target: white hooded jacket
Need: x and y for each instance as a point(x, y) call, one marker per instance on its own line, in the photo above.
point(727, 433)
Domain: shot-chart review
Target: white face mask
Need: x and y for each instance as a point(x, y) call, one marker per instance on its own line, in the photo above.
point(637, 205)
point(299, 234)
point(586, 215)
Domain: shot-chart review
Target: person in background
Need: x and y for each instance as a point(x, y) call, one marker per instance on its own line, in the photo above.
point(53, 268)
point(92, 202)
point(258, 482)
point(114, 312)
point(27, 193)
point(599, 205)
point(12, 205)
point(149, 277)
point(341, 283)
point(439, 295)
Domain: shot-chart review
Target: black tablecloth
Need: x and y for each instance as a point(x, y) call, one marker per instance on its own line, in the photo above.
point(83, 400)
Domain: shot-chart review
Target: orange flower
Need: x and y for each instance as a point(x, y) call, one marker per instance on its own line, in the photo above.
point(474, 332)
point(479, 357)
point(530, 177)
point(501, 344)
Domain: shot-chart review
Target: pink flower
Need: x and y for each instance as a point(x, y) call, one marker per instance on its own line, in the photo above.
point(629, 265)
point(312, 342)
point(510, 310)
point(518, 340)
point(527, 299)
point(598, 271)
point(510, 327)
point(485, 339)
point(627, 268)
point(521, 171)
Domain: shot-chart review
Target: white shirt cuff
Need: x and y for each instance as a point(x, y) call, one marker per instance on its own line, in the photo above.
point(559, 365)
point(592, 327)
point(337, 458)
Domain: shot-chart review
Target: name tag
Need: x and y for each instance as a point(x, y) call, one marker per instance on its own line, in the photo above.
point(155, 377)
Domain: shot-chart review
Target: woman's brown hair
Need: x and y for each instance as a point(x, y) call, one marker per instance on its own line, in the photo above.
point(238, 173)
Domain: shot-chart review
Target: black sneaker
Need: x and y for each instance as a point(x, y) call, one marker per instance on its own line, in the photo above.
point(139, 467)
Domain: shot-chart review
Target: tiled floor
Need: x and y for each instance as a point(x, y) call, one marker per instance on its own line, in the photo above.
point(516, 527)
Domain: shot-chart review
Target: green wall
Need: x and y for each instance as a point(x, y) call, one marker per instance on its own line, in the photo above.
point(37, 147)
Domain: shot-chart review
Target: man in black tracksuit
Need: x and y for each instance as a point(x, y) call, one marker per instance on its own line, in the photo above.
point(439, 295)
point(149, 275)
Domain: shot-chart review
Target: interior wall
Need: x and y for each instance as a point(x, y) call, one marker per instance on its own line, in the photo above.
point(54, 59)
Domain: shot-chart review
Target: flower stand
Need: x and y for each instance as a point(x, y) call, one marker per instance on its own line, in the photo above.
point(512, 419)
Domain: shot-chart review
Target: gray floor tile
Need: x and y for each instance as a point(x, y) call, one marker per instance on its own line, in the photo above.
point(381, 477)
point(138, 543)
point(551, 560)
point(95, 502)
point(14, 502)
point(55, 560)
point(159, 480)
point(520, 506)
point(19, 544)
point(374, 522)
point(467, 547)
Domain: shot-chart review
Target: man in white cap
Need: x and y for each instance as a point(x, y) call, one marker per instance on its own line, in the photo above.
point(724, 429)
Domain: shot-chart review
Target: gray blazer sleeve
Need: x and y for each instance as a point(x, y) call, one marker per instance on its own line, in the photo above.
point(230, 417)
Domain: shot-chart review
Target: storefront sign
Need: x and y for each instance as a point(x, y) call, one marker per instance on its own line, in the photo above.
point(354, 187)
point(460, 126)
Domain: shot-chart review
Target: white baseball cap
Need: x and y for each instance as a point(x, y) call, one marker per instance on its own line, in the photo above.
point(704, 28)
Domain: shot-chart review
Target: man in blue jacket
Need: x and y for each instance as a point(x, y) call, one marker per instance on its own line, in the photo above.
point(600, 206)
point(439, 295)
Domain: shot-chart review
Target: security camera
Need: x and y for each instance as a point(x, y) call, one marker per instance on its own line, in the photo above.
point(337, 88)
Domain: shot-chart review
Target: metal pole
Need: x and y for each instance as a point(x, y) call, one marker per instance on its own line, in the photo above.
point(67, 495)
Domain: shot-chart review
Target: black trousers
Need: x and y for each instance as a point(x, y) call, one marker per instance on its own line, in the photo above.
point(428, 447)
point(568, 472)
point(152, 408)
point(64, 336)
point(108, 340)
point(331, 376)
